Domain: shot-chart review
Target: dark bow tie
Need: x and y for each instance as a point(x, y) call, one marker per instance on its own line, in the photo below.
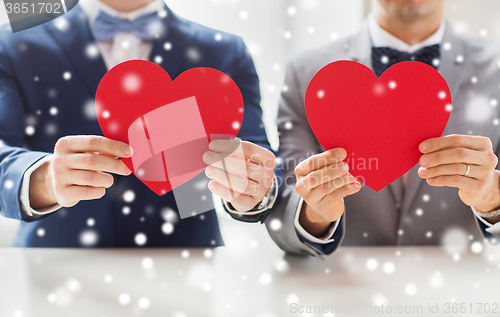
point(105, 27)
point(385, 57)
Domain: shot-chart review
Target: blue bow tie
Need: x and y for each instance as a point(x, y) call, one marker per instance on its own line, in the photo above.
point(385, 57)
point(105, 27)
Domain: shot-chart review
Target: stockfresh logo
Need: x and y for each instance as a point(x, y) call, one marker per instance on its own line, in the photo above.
point(20, 15)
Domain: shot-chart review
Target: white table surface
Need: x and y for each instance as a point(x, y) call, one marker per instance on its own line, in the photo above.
point(248, 277)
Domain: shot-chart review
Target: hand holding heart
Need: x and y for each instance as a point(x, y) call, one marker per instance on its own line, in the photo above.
point(80, 167)
point(168, 122)
point(372, 118)
point(242, 177)
point(445, 162)
point(323, 180)
point(78, 171)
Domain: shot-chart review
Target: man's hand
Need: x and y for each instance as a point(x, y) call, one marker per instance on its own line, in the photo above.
point(445, 162)
point(241, 172)
point(323, 180)
point(78, 171)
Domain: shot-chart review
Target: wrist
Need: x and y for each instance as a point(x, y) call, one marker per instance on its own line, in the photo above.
point(41, 188)
point(313, 223)
point(492, 199)
point(312, 216)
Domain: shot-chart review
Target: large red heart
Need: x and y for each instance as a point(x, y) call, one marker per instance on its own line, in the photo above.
point(379, 121)
point(168, 123)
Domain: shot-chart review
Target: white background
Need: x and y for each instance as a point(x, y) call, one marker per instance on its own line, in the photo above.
point(275, 30)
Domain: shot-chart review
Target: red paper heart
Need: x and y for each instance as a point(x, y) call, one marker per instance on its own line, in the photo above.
point(168, 123)
point(379, 121)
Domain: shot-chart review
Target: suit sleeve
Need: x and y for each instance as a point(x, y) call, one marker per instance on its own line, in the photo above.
point(14, 160)
point(493, 238)
point(252, 128)
point(297, 142)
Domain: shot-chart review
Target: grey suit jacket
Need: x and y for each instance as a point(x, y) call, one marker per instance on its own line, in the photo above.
point(421, 214)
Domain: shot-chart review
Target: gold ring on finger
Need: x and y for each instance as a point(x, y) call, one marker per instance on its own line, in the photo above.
point(467, 171)
point(254, 188)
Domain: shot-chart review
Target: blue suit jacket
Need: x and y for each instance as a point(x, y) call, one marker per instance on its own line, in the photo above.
point(32, 64)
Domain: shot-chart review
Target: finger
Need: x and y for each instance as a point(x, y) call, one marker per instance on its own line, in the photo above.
point(240, 167)
point(341, 192)
point(226, 193)
point(248, 150)
point(234, 165)
point(244, 202)
point(317, 194)
point(108, 155)
point(222, 191)
point(98, 163)
point(449, 156)
point(477, 143)
point(320, 160)
point(94, 143)
point(78, 193)
point(458, 181)
point(234, 182)
point(88, 178)
point(240, 202)
point(324, 175)
point(451, 169)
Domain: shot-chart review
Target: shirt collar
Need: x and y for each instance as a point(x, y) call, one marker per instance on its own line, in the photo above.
point(382, 38)
point(92, 7)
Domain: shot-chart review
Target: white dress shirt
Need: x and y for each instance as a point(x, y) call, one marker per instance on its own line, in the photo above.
point(125, 45)
point(382, 38)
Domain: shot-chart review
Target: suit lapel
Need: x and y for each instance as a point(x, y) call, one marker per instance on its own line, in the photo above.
point(360, 50)
point(451, 68)
point(360, 47)
point(76, 43)
point(454, 73)
point(172, 44)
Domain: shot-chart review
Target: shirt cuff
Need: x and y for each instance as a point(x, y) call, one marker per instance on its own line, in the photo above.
point(492, 228)
point(266, 203)
point(24, 194)
point(327, 238)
